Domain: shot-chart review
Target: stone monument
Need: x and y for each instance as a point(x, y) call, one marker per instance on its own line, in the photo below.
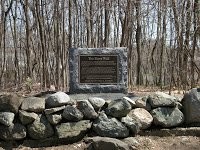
point(98, 70)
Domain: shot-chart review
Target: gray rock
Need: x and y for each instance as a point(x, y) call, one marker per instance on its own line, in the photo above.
point(73, 131)
point(33, 104)
point(142, 102)
point(87, 109)
point(10, 102)
point(179, 105)
point(118, 108)
point(160, 99)
point(57, 99)
point(132, 124)
point(108, 102)
point(13, 132)
point(105, 143)
point(96, 102)
point(143, 116)
point(109, 127)
point(40, 128)
point(6, 118)
point(71, 113)
point(167, 117)
point(191, 106)
point(53, 110)
point(132, 142)
point(131, 101)
point(27, 117)
point(54, 118)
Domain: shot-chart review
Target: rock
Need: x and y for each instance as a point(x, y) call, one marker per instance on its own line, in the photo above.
point(57, 99)
point(6, 118)
point(97, 102)
point(179, 105)
point(105, 143)
point(27, 117)
point(191, 106)
point(131, 141)
point(160, 99)
point(33, 104)
point(87, 109)
point(54, 118)
point(40, 128)
point(144, 117)
point(132, 124)
point(71, 113)
point(131, 101)
point(109, 127)
point(13, 132)
point(53, 110)
point(118, 108)
point(142, 102)
point(167, 117)
point(73, 131)
point(10, 102)
point(44, 94)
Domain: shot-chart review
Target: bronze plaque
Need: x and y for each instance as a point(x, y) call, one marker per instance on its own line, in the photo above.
point(98, 69)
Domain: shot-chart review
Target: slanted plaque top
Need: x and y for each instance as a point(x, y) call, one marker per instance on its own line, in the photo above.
point(98, 69)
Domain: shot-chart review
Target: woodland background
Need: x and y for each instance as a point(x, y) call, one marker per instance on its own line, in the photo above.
point(162, 36)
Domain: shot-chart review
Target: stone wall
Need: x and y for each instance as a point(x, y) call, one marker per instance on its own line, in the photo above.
point(60, 119)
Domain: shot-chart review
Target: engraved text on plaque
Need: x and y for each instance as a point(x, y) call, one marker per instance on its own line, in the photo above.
point(98, 69)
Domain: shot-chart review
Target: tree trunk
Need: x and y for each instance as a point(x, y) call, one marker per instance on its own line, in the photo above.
point(138, 41)
point(28, 51)
point(196, 3)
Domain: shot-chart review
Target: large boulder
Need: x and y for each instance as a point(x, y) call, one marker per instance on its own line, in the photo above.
point(57, 99)
point(109, 127)
point(71, 113)
point(96, 102)
point(13, 132)
point(73, 131)
point(132, 124)
point(33, 104)
point(105, 143)
point(10, 102)
point(40, 128)
point(87, 109)
point(143, 116)
point(118, 108)
point(167, 116)
point(27, 117)
point(143, 102)
point(191, 106)
point(160, 99)
point(6, 118)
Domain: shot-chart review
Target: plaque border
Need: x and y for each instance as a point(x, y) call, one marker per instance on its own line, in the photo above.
point(76, 88)
point(98, 83)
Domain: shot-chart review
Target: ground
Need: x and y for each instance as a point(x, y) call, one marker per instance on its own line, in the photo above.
point(169, 143)
point(145, 143)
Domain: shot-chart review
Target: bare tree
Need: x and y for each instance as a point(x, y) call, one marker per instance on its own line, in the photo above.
point(138, 41)
point(162, 38)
